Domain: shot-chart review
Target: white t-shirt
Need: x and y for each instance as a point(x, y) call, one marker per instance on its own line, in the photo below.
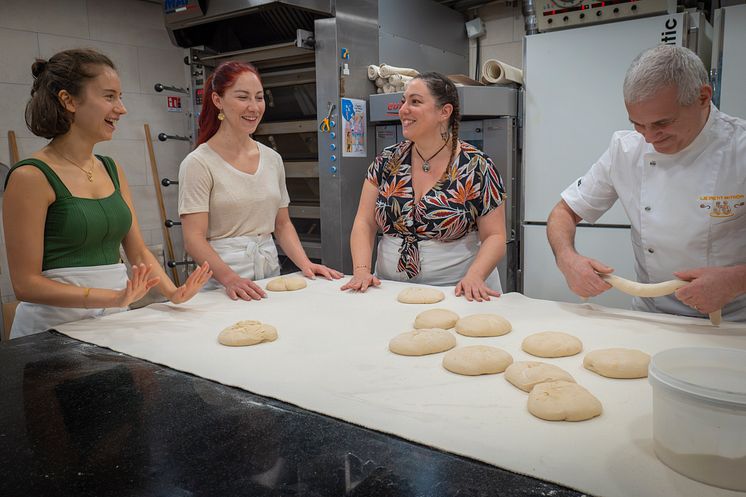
point(237, 203)
point(687, 210)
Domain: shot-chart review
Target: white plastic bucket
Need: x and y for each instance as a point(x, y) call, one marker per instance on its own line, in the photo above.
point(699, 413)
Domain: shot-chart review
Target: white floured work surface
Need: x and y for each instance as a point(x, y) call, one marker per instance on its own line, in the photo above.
point(332, 357)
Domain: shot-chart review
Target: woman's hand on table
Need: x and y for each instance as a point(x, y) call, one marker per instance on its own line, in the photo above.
point(361, 281)
point(192, 285)
point(137, 285)
point(474, 288)
point(312, 270)
point(244, 289)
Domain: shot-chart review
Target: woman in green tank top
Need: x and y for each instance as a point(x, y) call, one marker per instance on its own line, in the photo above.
point(66, 212)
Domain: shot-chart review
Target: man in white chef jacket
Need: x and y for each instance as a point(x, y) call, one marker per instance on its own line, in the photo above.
point(681, 178)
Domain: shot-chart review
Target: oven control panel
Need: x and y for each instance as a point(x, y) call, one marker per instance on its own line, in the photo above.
point(560, 14)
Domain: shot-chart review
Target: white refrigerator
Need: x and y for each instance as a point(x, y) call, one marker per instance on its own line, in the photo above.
point(572, 104)
point(729, 60)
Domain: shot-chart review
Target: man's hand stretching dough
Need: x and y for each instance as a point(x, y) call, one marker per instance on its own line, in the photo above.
point(711, 288)
point(582, 276)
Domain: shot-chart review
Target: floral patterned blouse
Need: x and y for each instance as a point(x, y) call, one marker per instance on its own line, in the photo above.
point(470, 187)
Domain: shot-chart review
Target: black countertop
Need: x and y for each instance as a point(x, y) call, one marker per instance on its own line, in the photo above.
point(77, 419)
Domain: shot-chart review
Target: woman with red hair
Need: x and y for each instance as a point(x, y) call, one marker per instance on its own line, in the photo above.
point(232, 194)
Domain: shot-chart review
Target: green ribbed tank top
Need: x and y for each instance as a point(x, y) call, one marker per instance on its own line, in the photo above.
point(82, 231)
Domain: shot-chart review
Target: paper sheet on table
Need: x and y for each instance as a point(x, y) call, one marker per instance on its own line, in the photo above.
point(332, 357)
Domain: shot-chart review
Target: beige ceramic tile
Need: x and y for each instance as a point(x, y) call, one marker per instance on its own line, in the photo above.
point(130, 156)
point(18, 52)
point(12, 108)
point(124, 57)
point(510, 53)
point(128, 22)
point(62, 17)
point(162, 65)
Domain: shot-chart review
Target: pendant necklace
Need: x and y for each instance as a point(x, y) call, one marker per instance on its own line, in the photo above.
point(88, 172)
point(426, 162)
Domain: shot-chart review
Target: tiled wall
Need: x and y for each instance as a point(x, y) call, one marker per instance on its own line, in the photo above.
point(132, 34)
point(503, 39)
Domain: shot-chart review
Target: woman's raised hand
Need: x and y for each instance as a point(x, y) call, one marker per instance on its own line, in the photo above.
point(192, 285)
point(137, 286)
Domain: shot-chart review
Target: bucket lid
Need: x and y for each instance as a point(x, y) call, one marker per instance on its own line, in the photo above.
point(715, 374)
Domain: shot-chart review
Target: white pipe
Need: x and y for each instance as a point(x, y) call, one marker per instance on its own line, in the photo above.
point(374, 72)
point(387, 70)
point(497, 72)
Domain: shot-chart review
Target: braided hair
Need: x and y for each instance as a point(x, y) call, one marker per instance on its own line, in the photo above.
point(444, 92)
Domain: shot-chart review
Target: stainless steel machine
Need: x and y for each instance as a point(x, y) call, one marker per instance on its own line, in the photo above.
point(489, 120)
point(313, 54)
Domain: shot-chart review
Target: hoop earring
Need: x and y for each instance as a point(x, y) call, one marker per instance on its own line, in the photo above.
point(221, 116)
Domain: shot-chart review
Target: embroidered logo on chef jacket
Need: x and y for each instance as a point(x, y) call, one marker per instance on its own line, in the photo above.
point(722, 205)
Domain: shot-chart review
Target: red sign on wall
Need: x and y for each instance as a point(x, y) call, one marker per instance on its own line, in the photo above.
point(174, 104)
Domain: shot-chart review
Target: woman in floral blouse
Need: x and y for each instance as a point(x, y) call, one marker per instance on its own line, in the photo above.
point(437, 200)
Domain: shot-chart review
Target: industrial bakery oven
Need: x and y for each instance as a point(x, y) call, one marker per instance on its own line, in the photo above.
point(312, 55)
point(489, 122)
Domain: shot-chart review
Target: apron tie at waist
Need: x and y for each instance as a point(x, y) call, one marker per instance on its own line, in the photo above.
point(251, 256)
point(429, 262)
point(409, 257)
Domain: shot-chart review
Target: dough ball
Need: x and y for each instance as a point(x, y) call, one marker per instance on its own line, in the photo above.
point(422, 342)
point(286, 284)
point(617, 363)
point(527, 374)
point(247, 333)
point(420, 295)
point(563, 401)
point(477, 359)
point(552, 344)
point(483, 325)
point(436, 318)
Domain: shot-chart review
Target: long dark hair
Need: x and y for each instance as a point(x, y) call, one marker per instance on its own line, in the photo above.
point(444, 92)
point(224, 76)
point(67, 70)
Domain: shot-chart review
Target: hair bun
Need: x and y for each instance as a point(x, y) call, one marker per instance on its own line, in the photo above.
point(38, 67)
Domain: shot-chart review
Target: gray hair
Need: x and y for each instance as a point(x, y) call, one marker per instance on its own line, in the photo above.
point(663, 66)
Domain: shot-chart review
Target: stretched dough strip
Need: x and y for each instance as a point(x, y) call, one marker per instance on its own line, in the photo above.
point(643, 289)
point(637, 289)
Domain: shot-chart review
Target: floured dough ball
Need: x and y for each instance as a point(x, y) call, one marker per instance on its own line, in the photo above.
point(527, 374)
point(420, 295)
point(477, 359)
point(247, 333)
point(483, 325)
point(422, 342)
point(563, 401)
point(286, 284)
point(436, 318)
point(552, 344)
point(618, 363)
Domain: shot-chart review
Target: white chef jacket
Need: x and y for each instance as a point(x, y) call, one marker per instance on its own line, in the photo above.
point(687, 210)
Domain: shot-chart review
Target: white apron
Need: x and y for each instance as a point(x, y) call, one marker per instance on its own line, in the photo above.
point(441, 263)
point(252, 257)
point(35, 318)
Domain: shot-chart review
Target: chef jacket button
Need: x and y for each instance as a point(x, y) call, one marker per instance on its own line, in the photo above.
point(647, 208)
point(652, 163)
point(652, 251)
